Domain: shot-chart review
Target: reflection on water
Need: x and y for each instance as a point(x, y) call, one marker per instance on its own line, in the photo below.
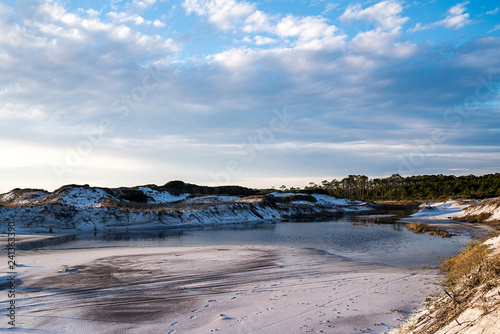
point(363, 238)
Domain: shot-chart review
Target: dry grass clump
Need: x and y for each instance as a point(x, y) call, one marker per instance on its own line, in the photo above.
point(293, 198)
point(476, 219)
point(424, 228)
point(464, 263)
point(470, 276)
point(481, 218)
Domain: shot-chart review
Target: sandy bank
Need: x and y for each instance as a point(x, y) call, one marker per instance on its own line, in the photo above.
point(471, 307)
point(227, 289)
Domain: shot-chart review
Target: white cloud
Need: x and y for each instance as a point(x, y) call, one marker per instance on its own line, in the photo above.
point(61, 60)
point(381, 43)
point(159, 24)
point(418, 27)
point(222, 13)
point(495, 28)
point(258, 21)
point(404, 50)
point(386, 14)
point(143, 4)
point(310, 32)
point(21, 111)
point(329, 7)
point(236, 58)
point(383, 40)
point(307, 28)
point(359, 62)
point(456, 17)
point(93, 12)
point(263, 40)
point(493, 12)
point(124, 18)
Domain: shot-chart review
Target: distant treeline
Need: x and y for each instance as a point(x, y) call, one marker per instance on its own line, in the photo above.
point(421, 187)
point(361, 187)
point(355, 187)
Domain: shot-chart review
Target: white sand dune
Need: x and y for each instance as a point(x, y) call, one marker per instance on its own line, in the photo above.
point(227, 289)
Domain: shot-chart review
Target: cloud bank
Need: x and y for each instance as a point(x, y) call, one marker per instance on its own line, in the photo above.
point(229, 91)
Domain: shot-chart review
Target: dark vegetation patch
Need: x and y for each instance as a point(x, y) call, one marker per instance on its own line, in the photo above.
point(476, 219)
point(480, 219)
point(425, 228)
point(400, 208)
point(132, 195)
point(179, 187)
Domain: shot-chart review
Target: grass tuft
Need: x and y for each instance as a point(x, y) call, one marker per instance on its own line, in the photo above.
point(424, 228)
point(465, 262)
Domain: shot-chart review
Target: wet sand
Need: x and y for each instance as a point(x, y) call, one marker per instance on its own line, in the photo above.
point(227, 289)
point(20, 238)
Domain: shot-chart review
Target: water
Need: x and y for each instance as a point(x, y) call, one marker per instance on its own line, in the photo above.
point(358, 239)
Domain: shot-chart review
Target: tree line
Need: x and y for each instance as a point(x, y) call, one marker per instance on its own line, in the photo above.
point(420, 187)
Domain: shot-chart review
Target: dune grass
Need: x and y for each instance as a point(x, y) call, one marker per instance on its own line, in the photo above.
point(470, 275)
point(466, 262)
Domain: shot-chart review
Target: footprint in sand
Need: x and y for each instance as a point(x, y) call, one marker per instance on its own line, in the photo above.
point(174, 323)
point(234, 297)
point(195, 310)
point(192, 317)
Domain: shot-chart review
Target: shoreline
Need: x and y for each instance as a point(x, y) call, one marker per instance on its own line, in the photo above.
point(234, 289)
point(31, 234)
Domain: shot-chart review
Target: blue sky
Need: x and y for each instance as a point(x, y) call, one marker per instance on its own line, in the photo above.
point(256, 93)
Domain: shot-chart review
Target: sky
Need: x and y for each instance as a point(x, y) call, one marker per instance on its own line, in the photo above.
point(255, 93)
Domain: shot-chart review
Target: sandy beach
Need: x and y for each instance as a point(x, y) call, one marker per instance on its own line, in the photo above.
point(227, 289)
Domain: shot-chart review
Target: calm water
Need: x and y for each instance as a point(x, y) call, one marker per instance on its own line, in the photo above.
point(359, 240)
